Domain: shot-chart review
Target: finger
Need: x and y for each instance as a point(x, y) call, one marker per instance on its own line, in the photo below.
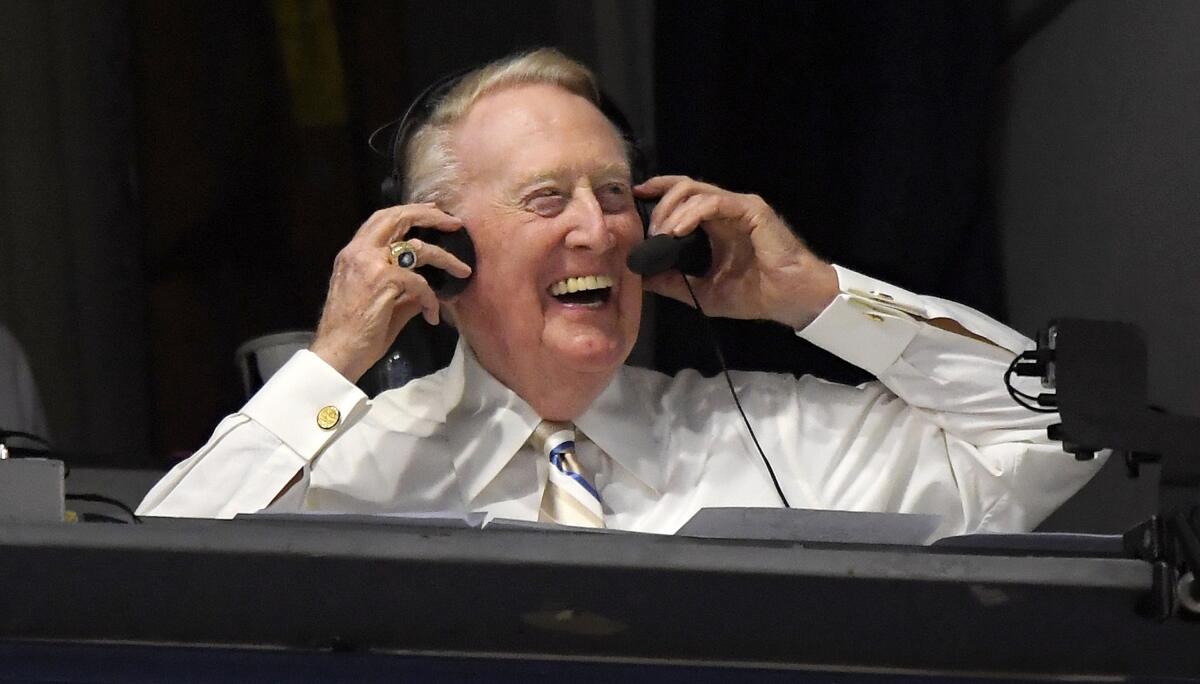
point(437, 257)
point(388, 225)
point(376, 320)
point(430, 308)
point(406, 293)
point(656, 186)
point(690, 214)
point(447, 227)
point(676, 195)
point(678, 191)
point(426, 216)
point(401, 315)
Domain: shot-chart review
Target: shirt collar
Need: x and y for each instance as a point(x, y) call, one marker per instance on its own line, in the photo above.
point(491, 424)
point(621, 421)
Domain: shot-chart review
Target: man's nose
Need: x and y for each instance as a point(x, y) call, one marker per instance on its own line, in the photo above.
point(589, 229)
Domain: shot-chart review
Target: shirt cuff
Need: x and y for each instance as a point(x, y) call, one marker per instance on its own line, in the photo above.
point(869, 323)
point(305, 404)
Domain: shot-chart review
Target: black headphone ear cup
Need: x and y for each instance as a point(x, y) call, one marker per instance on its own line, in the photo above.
point(390, 189)
point(458, 243)
point(644, 207)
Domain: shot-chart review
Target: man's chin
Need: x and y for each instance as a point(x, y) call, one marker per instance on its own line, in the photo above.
point(592, 353)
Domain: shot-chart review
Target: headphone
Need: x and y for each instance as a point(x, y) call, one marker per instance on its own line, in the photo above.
point(398, 133)
point(692, 254)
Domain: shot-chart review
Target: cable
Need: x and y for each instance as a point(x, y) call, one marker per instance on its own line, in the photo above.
point(37, 452)
point(100, 517)
point(712, 337)
point(5, 434)
point(98, 498)
point(1018, 396)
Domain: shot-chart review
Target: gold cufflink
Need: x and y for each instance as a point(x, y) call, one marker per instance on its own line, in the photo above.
point(875, 317)
point(891, 303)
point(328, 417)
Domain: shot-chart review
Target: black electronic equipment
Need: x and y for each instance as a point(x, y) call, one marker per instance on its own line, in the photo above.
point(691, 254)
point(458, 243)
point(1096, 374)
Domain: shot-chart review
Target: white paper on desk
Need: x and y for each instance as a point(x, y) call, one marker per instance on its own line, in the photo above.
point(809, 525)
point(514, 524)
point(418, 519)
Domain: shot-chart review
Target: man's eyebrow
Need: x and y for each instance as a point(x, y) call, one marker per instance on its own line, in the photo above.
point(610, 170)
point(545, 176)
point(539, 177)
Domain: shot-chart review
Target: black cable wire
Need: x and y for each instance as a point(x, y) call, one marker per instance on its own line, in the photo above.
point(5, 434)
point(1018, 396)
point(37, 452)
point(1012, 368)
point(98, 498)
point(712, 337)
point(100, 517)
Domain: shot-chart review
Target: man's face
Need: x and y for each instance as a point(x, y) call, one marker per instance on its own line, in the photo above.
point(546, 198)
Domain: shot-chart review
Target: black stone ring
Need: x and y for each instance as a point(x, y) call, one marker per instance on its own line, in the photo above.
point(403, 254)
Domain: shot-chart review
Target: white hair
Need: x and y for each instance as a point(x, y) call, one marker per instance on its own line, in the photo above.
point(432, 172)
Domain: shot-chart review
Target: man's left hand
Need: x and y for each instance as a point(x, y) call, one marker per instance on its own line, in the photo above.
point(761, 269)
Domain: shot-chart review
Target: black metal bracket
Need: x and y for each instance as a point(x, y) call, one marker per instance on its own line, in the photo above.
point(1171, 544)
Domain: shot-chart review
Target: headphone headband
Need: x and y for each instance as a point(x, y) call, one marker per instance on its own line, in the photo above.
point(399, 131)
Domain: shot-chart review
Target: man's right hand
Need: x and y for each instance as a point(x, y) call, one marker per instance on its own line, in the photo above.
point(370, 298)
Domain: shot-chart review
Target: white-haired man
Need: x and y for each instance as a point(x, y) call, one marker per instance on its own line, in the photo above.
point(520, 154)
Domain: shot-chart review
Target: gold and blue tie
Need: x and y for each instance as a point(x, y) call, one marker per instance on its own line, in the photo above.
point(570, 497)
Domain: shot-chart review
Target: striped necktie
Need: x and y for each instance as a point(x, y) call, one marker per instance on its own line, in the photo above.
point(570, 498)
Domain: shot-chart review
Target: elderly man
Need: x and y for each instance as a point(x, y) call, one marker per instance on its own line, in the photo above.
point(537, 418)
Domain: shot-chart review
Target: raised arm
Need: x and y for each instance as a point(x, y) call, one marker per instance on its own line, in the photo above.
point(260, 455)
point(938, 433)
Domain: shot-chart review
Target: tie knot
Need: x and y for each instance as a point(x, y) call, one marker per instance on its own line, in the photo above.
point(550, 437)
point(569, 498)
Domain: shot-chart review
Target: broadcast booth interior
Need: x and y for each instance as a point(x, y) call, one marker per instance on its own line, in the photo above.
point(534, 340)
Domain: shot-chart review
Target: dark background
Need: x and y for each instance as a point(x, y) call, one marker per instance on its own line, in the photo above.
point(179, 176)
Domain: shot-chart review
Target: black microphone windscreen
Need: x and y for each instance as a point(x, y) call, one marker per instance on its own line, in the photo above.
point(691, 254)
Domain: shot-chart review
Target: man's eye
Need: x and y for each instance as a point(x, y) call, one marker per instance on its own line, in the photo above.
point(548, 203)
point(614, 198)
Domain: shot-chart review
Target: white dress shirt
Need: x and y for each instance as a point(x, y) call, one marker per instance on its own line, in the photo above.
point(936, 434)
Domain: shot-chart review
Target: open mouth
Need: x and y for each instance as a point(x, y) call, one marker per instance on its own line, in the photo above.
point(592, 290)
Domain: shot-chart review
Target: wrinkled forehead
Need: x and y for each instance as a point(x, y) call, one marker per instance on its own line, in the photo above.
point(537, 130)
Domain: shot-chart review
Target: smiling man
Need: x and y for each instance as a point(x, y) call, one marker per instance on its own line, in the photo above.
point(547, 193)
point(537, 418)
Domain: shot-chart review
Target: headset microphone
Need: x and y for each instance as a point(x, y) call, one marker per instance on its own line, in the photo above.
point(691, 254)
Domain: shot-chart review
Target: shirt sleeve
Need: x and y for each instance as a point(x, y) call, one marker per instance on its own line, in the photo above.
point(953, 407)
point(253, 454)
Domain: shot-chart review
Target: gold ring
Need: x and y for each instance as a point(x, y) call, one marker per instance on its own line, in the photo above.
point(403, 254)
